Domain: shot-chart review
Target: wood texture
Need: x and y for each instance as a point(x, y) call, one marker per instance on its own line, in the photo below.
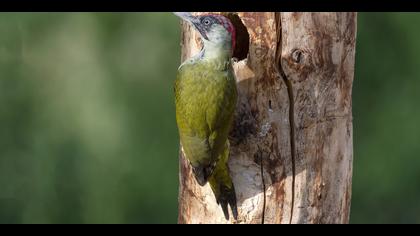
point(276, 160)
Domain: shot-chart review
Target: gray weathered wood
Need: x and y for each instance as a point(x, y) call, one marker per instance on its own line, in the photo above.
point(308, 55)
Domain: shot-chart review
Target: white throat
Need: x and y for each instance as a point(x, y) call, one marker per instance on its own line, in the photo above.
point(217, 50)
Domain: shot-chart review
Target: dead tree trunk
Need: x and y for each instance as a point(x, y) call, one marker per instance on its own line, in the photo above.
point(291, 144)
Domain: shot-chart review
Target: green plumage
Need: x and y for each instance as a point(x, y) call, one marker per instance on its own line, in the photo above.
point(205, 98)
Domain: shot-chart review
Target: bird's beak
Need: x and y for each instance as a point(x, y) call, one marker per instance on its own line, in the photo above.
point(194, 21)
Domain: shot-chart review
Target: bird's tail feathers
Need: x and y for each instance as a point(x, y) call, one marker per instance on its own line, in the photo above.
point(222, 186)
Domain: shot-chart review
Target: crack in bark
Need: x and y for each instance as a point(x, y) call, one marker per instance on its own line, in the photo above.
point(258, 159)
point(263, 185)
point(292, 138)
point(289, 86)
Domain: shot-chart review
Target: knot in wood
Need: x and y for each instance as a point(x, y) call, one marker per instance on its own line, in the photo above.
point(297, 56)
point(298, 63)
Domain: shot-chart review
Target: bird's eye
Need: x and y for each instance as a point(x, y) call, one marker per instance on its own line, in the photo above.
point(206, 22)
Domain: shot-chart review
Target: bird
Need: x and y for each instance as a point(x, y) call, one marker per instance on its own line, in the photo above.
point(205, 101)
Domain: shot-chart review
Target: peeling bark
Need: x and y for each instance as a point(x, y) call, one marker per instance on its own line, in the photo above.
point(276, 160)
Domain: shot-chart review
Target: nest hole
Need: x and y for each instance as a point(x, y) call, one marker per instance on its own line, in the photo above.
point(242, 37)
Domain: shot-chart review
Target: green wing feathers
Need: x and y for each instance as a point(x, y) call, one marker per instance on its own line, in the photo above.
point(205, 100)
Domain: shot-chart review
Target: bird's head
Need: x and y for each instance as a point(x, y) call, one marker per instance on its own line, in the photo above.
point(214, 29)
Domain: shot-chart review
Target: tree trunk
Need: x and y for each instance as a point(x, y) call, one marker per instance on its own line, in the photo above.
point(291, 142)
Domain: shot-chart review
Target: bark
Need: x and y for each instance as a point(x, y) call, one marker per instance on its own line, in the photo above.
point(291, 142)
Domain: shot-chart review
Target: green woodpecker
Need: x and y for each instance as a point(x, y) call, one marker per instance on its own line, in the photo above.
point(205, 99)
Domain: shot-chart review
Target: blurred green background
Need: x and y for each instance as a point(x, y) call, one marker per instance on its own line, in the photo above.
point(87, 124)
